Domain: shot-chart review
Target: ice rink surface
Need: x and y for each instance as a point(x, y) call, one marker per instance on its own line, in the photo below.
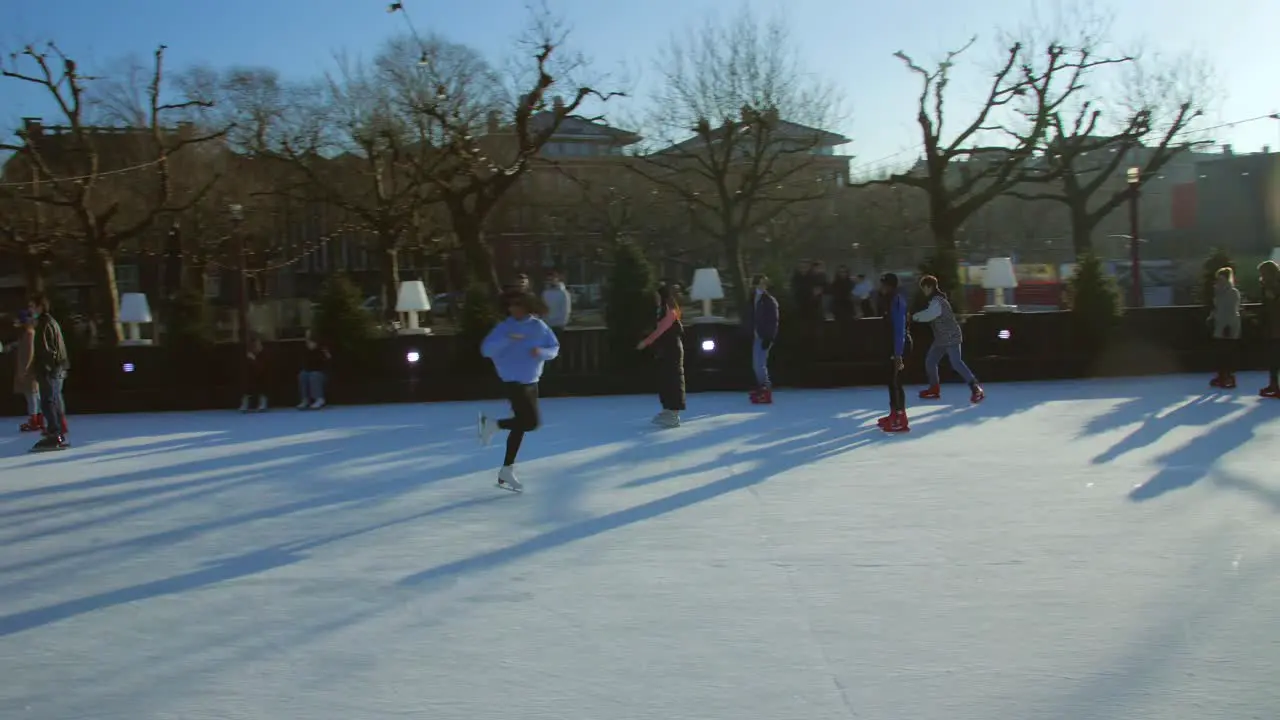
point(1068, 551)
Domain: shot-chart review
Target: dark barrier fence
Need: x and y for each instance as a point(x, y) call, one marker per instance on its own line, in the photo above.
point(998, 347)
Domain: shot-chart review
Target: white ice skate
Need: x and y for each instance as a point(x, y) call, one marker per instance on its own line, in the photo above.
point(671, 419)
point(317, 404)
point(262, 403)
point(485, 429)
point(507, 479)
point(244, 404)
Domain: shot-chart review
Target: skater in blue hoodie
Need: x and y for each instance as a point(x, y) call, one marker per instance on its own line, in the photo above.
point(518, 347)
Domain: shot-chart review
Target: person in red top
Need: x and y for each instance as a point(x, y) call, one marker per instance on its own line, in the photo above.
point(667, 340)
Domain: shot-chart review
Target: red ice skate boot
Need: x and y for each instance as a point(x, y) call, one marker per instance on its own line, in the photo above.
point(764, 396)
point(1270, 391)
point(1218, 381)
point(897, 423)
point(1229, 382)
point(884, 421)
point(976, 394)
point(35, 423)
point(933, 392)
point(754, 396)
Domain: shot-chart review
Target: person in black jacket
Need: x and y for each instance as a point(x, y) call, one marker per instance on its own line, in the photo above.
point(50, 364)
point(315, 372)
point(667, 340)
point(255, 378)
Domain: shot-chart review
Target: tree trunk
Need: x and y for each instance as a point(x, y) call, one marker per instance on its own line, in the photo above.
point(108, 296)
point(476, 251)
point(738, 266)
point(33, 273)
point(1081, 232)
point(390, 280)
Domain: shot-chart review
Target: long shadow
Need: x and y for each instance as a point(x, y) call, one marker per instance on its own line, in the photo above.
point(1265, 493)
point(768, 463)
point(1203, 410)
point(1192, 462)
point(244, 565)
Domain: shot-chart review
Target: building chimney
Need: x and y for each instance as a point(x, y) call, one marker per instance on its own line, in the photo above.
point(1226, 150)
point(494, 121)
point(1266, 149)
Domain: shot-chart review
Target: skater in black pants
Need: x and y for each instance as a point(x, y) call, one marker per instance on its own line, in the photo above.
point(667, 340)
point(518, 347)
point(50, 364)
point(900, 344)
point(1269, 275)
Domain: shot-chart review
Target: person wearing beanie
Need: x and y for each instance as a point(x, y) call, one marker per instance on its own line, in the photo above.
point(947, 338)
point(899, 344)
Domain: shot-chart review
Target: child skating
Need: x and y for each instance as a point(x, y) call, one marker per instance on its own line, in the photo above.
point(518, 347)
point(667, 340)
point(24, 379)
point(947, 339)
point(1225, 322)
point(899, 344)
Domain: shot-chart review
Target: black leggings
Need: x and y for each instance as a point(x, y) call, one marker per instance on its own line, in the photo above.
point(671, 379)
point(897, 393)
point(1226, 356)
point(1273, 361)
point(524, 410)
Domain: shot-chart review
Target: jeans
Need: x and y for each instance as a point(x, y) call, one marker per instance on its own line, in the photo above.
point(311, 385)
point(952, 352)
point(33, 402)
point(524, 417)
point(55, 417)
point(760, 361)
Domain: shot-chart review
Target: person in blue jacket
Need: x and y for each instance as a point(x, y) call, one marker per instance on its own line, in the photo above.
point(900, 343)
point(518, 347)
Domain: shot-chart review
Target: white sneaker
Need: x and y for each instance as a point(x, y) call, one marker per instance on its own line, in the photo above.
point(507, 479)
point(671, 420)
point(661, 417)
point(317, 404)
point(485, 429)
point(244, 404)
point(304, 405)
point(262, 403)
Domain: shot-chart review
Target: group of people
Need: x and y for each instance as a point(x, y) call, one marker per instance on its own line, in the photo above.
point(40, 369)
point(1226, 324)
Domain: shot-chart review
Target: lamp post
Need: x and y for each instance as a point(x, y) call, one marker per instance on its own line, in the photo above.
point(1134, 176)
point(242, 291)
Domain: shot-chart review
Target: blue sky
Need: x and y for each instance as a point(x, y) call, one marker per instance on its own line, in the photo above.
point(848, 42)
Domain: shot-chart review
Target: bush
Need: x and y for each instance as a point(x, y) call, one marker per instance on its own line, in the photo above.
point(341, 322)
point(478, 315)
point(1095, 303)
point(1217, 260)
point(629, 308)
point(188, 323)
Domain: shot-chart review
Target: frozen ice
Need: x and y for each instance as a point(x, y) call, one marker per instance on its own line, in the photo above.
point(1066, 551)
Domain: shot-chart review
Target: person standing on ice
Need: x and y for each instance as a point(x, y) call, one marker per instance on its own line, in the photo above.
point(1269, 277)
point(667, 340)
point(24, 378)
point(559, 304)
point(762, 318)
point(895, 310)
point(519, 346)
point(947, 339)
point(50, 363)
point(1225, 321)
point(314, 375)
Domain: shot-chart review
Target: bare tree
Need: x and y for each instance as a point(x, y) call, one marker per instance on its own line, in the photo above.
point(760, 140)
point(1086, 152)
point(115, 182)
point(484, 139)
point(996, 149)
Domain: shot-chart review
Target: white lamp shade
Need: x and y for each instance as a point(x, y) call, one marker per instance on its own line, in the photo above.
point(134, 308)
point(412, 297)
point(1275, 255)
point(999, 274)
point(706, 285)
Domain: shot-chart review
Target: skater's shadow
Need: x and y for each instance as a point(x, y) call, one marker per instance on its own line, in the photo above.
point(1137, 409)
point(1204, 410)
point(1194, 461)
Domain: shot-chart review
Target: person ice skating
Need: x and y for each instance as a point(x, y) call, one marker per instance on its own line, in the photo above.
point(895, 307)
point(947, 340)
point(1269, 277)
point(559, 305)
point(1225, 321)
point(762, 319)
point(314, 375)
point(50, 363)
point(519, 347)
point(24, 377)
point(667, 340)
point(255, 378)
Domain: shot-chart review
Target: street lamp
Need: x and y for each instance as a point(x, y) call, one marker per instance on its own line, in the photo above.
point(242, 294)
point(1134, 176)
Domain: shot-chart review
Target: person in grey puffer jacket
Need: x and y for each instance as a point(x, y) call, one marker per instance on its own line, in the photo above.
point(947, 339)
point(1225, 321)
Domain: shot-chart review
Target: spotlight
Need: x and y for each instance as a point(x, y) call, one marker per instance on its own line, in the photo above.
point(1004, 334)
point(412, 357)
point(127, 367)
point(708, 346)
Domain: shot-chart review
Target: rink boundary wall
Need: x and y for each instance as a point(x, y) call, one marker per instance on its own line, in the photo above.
point(999, 347)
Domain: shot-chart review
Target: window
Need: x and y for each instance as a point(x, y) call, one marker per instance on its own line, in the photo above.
point(127, 279)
